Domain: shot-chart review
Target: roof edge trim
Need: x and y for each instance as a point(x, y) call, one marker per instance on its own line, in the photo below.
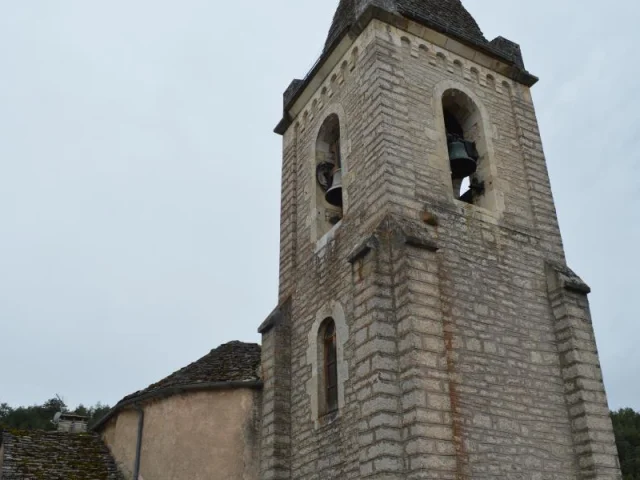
point(271, 321)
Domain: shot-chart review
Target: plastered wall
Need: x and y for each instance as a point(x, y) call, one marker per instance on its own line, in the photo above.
point(195, 436)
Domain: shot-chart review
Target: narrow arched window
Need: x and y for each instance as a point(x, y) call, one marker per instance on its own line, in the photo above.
point(330, 360)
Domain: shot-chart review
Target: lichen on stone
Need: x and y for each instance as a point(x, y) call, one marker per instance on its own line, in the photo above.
point(39, 455)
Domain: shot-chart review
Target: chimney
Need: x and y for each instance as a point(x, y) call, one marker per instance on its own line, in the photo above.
point(71, 423)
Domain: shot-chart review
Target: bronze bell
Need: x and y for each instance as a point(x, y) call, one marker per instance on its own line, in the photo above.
point(334, 193)
point(462, 157)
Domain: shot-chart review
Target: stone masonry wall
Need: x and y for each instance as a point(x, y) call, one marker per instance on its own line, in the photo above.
point(275, 438)
point(453, 357)
point(590, 422)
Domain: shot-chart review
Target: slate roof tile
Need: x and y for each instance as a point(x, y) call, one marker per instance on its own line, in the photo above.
point(232, 362)
point(449, 16)
point(39, 455)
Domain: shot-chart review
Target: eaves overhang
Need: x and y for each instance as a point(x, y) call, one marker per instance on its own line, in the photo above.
point(175, 390)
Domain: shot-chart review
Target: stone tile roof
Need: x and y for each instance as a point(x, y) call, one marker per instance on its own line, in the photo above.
point(448, 16)
point(38, 455)
point(231, 362)
point(232, 365)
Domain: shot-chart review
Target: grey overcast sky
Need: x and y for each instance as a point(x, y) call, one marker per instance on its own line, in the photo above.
point(139, 177)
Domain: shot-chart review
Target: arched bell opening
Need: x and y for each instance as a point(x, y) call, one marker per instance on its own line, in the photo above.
point(465, 144)
point(329, 197)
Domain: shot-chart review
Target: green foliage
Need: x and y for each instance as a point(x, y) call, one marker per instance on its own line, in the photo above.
point(82, 410)
point(5, 410)
point(96, 412)
point(35, 417)
point(626, 426)
point(39, 417)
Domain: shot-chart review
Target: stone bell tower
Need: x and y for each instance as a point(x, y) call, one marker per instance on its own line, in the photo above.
point(428, 325)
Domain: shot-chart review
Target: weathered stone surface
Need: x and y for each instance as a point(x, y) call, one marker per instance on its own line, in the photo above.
point(38, 455)
point(469, 349)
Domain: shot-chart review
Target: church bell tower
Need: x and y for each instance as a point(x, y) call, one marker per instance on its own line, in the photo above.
point(428, 325)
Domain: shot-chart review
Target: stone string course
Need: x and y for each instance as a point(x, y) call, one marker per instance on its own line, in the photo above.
point(468, 356)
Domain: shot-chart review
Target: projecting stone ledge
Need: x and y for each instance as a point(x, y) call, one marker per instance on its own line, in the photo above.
point(561, 276)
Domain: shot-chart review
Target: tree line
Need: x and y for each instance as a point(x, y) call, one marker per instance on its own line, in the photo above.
point(626, 426)
point(40, 417)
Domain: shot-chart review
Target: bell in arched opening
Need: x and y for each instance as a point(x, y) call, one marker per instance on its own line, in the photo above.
point(329, 169)
point(463, 156)
point(334, 193)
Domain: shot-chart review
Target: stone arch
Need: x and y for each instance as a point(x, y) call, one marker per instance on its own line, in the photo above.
point(475, 119)
point(327, 368)
point(354, 58)
point(335, 312)
point(458, 67)
point(335, 109)
point(475, 74)
point(323, 214)
point(507, 88)
point(344, 66)
point(326, 138)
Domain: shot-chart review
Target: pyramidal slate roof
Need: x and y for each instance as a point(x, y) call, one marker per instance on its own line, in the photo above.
point(448, 16)
point(39, 455)
point(234, 364)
